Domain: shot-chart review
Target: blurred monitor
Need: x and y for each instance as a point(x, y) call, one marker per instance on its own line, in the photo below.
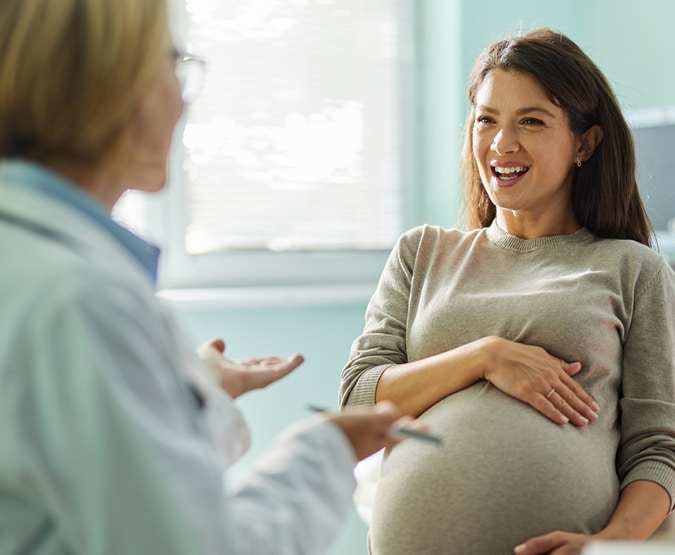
point(654, 134)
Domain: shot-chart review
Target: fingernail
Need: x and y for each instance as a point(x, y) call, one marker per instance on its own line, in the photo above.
point(594, 416)
point(595, 406)
point(522, 548)
point(584, 420)
point(564, 419)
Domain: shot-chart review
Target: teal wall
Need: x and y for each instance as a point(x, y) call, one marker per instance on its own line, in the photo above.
point(631, 41)
point(323, 334)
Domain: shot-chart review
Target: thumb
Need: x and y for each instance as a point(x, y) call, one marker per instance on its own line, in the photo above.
point(218, 344)
point(387, 411)
point(570, 368)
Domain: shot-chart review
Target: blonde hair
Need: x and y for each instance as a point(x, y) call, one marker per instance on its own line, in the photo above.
point(72, 73)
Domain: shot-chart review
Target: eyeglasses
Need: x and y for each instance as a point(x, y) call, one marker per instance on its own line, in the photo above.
point(190, 74)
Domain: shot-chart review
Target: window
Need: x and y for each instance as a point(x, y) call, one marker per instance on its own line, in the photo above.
point(294, 165)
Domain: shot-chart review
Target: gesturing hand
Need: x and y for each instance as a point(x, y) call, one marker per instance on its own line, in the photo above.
point(240, 376)
point(533, 376)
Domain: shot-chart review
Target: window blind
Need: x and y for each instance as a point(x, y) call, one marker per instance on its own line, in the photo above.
point(295, 140)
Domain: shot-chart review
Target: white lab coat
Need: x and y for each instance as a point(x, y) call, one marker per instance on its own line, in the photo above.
point(104, 448)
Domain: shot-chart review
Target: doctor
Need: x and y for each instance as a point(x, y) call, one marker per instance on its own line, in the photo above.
point(114, 436)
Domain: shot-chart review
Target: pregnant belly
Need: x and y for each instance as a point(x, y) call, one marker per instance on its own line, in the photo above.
point(503, 473)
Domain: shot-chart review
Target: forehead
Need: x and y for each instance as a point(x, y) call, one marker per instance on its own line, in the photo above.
point(509, 89)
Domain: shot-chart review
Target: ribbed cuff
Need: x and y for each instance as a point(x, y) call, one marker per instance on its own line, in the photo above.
point(654, 471)
point(363, 393)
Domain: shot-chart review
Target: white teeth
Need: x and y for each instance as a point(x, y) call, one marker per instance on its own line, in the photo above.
point(510, 170)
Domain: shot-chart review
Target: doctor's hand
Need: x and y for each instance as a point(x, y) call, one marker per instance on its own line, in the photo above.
point(370, 429)
point(240, 376)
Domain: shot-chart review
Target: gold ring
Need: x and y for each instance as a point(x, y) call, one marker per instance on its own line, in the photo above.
point(548, 395)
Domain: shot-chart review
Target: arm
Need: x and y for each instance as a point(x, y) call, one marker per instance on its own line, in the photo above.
point(302, 517)
point(379, 368)
point(646, 457)
point(641, 509)
point(127, 462)
point(522, 371)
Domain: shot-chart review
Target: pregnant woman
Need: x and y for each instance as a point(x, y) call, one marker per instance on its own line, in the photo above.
point(539, 343)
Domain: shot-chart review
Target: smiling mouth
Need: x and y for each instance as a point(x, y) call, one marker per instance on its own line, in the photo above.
point(507, 174)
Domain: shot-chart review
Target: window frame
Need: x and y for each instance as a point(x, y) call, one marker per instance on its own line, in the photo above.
point(352, 270)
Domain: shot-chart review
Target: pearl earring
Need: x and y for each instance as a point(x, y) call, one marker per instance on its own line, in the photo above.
point(578, 162)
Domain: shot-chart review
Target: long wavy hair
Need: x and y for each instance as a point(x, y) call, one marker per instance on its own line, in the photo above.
point(605, 195)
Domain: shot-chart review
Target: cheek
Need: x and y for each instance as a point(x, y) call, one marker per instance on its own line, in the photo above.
point(556, 162)
point(480, 148)
point(163, 110)
point(175, 99)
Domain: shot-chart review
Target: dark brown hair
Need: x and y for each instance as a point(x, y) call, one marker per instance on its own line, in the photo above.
point(605, 195)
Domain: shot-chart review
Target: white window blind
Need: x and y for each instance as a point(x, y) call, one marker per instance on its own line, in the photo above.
point(292, 164)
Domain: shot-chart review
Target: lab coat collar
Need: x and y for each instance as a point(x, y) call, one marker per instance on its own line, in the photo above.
point(29, 176)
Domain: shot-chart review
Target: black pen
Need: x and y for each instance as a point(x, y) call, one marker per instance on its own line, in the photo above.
point(395, 431)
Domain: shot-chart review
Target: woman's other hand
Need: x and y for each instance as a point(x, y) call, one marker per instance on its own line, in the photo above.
point(240, 376)
point(532, 375)
point(555, 543)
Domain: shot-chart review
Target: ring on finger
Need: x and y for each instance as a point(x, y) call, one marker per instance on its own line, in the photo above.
point(548, 395)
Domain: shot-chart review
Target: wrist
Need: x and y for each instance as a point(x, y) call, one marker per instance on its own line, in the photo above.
point(483, 350)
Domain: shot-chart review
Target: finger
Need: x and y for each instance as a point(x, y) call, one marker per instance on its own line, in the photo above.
point(539, 544)
point(553, 543)
point(259, 361)
point(295, 360)
point(575, 417)
point(570, 397)
point(548, 409)
point(570, 368)
point(579, 392)
point(218, 344)
point(286, 366)
point(388, 411)
point(413, 424)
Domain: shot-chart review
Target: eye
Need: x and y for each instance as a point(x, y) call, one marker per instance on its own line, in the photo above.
point(532, 122)
point(484, 119)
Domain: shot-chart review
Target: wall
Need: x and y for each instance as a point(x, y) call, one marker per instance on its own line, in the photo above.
point(323, 334)
point(631, 41)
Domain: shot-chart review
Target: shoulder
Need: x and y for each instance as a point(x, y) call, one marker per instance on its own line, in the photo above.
point(638, 266)
point(432, 236)
point(52, 280)
point(631, 254)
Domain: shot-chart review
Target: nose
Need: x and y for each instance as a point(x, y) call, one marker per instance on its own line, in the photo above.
point(505, 141)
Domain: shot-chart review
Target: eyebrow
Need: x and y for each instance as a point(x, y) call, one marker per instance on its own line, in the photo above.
point(520, 112)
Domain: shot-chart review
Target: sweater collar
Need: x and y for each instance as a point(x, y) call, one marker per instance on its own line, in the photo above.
point(502, 239)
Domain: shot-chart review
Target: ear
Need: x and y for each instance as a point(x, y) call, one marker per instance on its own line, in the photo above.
point(589, 142)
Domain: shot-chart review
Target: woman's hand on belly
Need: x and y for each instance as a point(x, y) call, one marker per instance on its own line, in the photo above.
point(533, 376)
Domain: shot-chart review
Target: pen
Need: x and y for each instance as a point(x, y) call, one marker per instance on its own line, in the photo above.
point(395, 430)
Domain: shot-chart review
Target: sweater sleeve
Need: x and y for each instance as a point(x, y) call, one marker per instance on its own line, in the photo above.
point(383, 341)
point(647, 450)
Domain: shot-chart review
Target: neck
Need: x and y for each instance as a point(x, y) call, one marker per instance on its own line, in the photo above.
point(100, 182)
point(525, 226)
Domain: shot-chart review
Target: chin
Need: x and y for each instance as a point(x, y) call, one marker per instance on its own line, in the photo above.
point(154, 188)
point(150, 182)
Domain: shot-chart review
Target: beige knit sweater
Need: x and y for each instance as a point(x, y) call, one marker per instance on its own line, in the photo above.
point(504, 472)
